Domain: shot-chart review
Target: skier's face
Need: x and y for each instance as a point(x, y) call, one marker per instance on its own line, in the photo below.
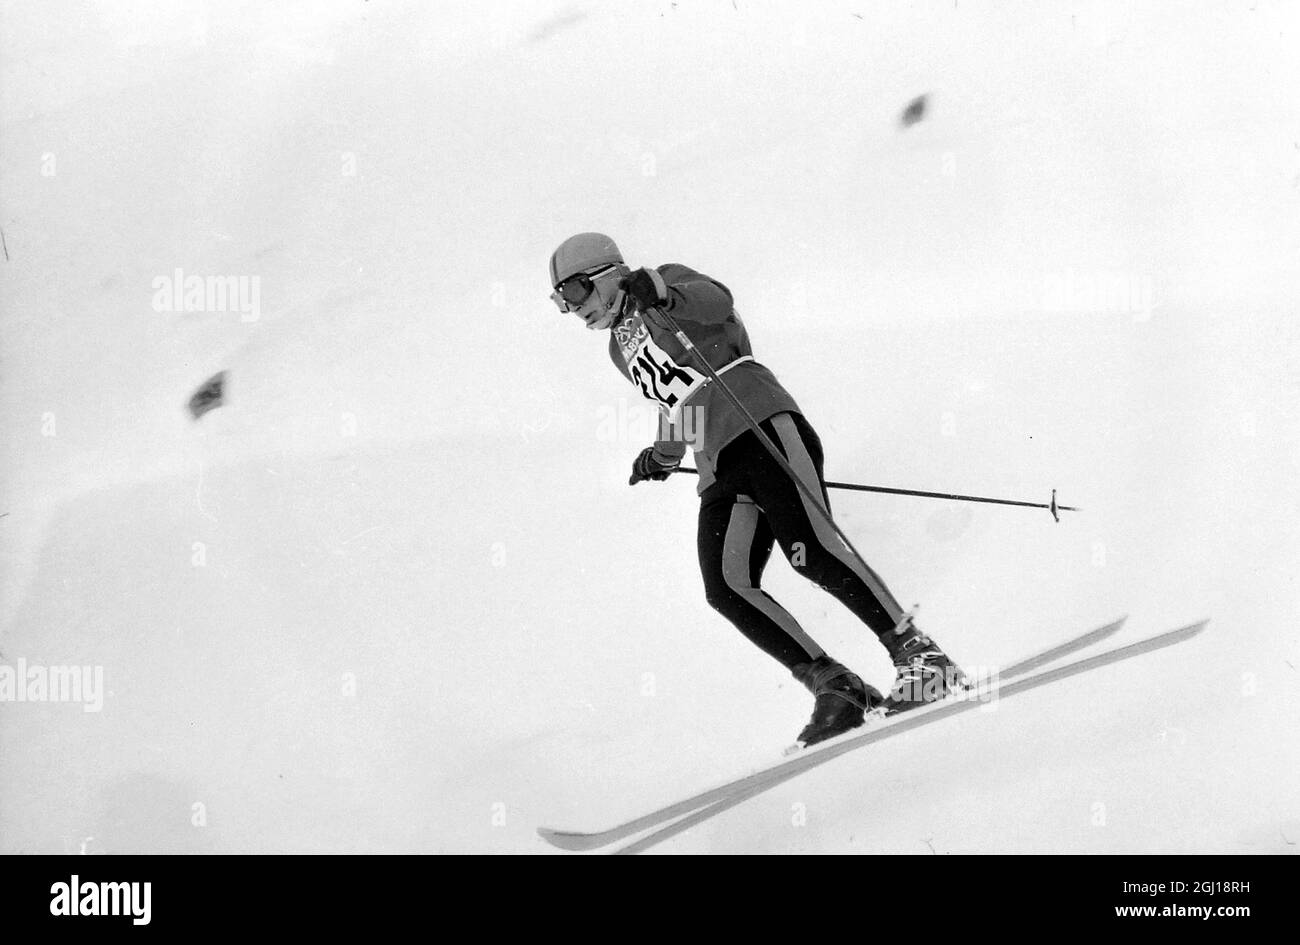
point(593, 297)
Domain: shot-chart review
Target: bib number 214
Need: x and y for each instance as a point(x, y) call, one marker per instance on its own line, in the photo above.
point(661, 378)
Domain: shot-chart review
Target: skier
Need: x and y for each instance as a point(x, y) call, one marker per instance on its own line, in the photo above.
point(747, 501)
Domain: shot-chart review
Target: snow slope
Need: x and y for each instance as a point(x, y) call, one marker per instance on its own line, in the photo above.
point(396, 596)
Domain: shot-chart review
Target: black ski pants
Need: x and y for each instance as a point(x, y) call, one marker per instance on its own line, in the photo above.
point(753, 504)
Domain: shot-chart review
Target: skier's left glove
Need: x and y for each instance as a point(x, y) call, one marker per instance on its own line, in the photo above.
point(647, 467)
point(645, 287)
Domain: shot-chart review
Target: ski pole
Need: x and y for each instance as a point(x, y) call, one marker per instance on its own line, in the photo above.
point(813, 498)
point(1054, 507)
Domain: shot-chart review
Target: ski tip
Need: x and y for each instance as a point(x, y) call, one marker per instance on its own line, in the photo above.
point(1192, 629)
point(1177, 635)
point(1109, 629)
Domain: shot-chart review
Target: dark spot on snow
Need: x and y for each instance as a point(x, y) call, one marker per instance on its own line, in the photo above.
point(210, 395)
point(914, 111)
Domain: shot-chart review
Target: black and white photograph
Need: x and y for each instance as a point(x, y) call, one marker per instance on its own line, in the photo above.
point(713, 427)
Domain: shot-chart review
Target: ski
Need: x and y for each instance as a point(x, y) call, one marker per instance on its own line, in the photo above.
point(751, 787)
point(578, 840)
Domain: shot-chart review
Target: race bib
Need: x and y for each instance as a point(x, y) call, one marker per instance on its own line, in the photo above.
point(660, 378)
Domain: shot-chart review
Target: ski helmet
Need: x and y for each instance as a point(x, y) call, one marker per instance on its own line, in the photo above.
point(583, 253)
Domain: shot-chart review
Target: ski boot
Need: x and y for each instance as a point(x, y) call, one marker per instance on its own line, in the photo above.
point(842, 699)
point(924, 672)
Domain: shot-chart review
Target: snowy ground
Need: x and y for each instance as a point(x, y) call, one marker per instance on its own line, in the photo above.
point(396, 596)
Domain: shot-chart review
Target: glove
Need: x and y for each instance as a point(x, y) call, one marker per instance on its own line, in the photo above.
point(645, 287)
point(647, 467)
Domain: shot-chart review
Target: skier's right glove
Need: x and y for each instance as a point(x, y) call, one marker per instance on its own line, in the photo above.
point(647, 467)
point(646, 288)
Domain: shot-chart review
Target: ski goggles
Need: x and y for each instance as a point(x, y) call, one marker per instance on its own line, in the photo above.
point(573, 291)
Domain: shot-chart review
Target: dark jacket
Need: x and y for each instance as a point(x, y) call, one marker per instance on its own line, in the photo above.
point(650, 356)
